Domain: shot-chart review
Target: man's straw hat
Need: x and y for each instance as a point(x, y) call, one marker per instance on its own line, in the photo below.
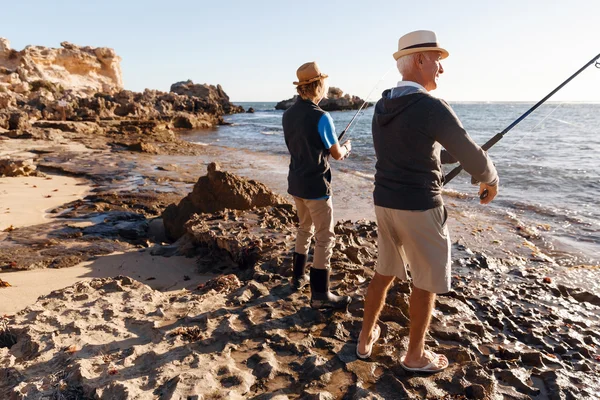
point(308, 73)
point(418, 41)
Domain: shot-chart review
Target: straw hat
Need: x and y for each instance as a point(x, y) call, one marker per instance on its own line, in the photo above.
point(418, 41)
point(308, 73)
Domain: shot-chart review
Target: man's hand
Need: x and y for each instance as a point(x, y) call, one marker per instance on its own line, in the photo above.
point(487, 193)
point(348, 146)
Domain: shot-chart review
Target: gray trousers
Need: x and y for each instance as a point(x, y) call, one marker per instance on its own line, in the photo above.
point(316, 218)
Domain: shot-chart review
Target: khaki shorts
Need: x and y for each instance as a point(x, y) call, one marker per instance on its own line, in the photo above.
point(418, 240)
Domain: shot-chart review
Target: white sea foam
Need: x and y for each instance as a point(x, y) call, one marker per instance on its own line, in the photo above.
point(455, 193)
point(201, 143)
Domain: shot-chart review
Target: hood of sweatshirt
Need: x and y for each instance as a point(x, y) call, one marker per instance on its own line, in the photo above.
point(395, 101)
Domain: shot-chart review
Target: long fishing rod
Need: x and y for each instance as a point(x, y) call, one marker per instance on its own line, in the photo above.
point(500, 135)
point(365, 102)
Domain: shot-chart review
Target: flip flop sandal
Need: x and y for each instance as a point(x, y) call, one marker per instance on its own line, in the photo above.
point(376, 334)
point(429, 368)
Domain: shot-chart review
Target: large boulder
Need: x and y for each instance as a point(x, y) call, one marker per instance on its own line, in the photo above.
point(208, 92)
point(336, 101)
point(216, 191)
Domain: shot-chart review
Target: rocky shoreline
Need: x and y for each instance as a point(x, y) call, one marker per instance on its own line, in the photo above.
point(515, 325)
point(336, 100)
point(509, 330)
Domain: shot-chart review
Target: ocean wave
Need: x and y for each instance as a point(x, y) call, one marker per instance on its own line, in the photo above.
point(271, 132)
point(455, 194)
point(201, 143)
point(551, 212)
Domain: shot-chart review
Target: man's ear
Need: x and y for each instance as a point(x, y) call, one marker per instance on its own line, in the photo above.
point(420, 58)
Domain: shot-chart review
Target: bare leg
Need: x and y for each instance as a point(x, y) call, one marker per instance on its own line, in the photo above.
point(421, 306)
point(374, 302)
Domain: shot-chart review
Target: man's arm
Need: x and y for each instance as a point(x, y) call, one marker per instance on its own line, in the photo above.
point(446, 158)
point(449, 132)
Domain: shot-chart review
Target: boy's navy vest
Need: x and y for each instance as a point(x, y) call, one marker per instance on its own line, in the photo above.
point(310, 174)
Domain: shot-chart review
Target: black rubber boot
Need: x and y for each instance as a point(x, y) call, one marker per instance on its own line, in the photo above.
point(321, 297)
point(300, 278)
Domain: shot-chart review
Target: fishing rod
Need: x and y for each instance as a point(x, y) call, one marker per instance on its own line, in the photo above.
point(365, 102)
point(452, 174)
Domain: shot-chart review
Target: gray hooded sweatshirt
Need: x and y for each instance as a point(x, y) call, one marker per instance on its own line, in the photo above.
point(410, 127)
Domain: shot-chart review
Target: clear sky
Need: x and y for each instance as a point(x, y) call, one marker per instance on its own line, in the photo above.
point(499, 50)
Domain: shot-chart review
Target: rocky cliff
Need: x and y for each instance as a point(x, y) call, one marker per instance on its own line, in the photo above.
point(85, 70)
point(72, 83)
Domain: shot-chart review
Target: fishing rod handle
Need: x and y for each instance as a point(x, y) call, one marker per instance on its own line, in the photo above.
point(452, 174)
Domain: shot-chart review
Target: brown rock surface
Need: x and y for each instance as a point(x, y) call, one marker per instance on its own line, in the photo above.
point(85, 70)
point(216, 191)
point(209, 92)
point(10, 167)
point(247, 334)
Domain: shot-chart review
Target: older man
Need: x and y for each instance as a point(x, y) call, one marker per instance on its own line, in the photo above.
point(410, 127)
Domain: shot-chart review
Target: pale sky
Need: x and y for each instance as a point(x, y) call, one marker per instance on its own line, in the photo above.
point(499, 50)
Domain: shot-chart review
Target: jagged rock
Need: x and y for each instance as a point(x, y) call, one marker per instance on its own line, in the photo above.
point(18, 121)
point(7, 100)
point(207, 92)
point(184, 120)
point(69, 126)
point(217, 191)
point(10, 167)
point(335, 101)
point(143, 147)
point(221, 284)
point(83, 69)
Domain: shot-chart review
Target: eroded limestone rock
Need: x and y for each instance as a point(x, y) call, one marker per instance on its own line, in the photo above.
point(216, 191)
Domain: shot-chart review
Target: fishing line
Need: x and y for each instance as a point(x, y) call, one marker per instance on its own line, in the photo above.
point(582, 128)
point(487, 145)
point(530, 132)
point(347, 129)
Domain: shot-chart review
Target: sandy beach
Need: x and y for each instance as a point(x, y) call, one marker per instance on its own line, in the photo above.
point(160, 273)
point(25, 201)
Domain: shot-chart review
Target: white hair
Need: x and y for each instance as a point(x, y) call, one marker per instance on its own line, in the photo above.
point(406, 62)
point(325, 88)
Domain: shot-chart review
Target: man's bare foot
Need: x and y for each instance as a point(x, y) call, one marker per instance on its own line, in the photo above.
point(429, 362)
point(364, 348)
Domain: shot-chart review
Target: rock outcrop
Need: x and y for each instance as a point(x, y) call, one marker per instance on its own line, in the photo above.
point(85, 70)
point(216, 191)
point(85, 84)
point(336, 101)
point(210, 92)
point(13, 168)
